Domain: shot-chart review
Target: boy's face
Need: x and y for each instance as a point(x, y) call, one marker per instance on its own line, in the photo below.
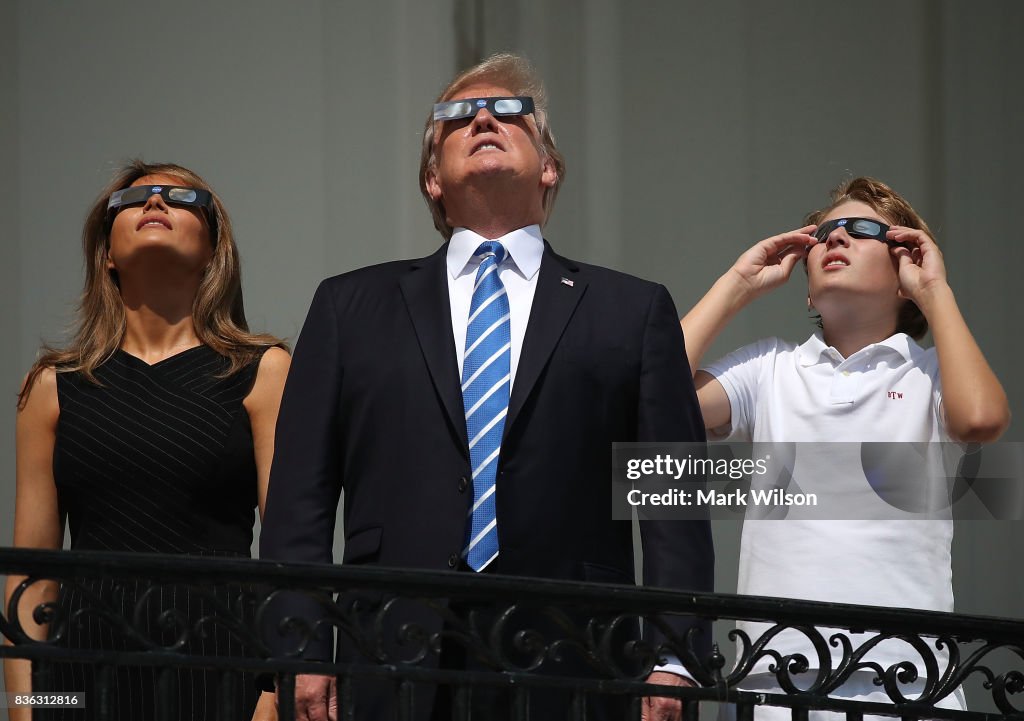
point(842, 269)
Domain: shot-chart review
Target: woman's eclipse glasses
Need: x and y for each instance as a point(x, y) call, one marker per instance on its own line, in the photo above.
point(173, 194)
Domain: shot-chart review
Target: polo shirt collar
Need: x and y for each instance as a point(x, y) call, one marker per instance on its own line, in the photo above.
point(525, 247)
point(814, 350)
point(903, 344)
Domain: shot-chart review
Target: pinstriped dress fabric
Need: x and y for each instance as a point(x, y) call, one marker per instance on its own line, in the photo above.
point(156, 459)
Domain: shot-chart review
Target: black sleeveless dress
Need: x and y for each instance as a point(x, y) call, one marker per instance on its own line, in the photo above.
point(158, 459)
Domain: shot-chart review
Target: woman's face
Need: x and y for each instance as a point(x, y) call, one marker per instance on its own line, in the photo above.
point(160, 231)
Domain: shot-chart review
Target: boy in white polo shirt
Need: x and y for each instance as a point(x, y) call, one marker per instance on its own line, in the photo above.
point(876, 278)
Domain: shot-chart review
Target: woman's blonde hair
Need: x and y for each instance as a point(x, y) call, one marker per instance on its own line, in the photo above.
point(217, 312)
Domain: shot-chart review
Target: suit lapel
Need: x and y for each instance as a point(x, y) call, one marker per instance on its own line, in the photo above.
point(559, 289)
point(425, 291)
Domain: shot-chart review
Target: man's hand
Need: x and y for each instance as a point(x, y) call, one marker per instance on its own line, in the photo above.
point(316, 698)
point(659, 708)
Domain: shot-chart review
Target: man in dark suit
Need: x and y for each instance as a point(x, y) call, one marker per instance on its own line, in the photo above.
point(487, 379)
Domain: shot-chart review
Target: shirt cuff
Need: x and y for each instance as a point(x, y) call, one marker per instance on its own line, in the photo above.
point(672, 665)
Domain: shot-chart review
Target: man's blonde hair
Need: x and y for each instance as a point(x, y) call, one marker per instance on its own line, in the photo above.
point(517, 75)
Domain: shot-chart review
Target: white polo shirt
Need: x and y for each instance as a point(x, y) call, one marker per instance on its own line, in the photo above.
point(876, 554)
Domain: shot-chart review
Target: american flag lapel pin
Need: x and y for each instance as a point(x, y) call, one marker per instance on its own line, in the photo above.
point(566, 281)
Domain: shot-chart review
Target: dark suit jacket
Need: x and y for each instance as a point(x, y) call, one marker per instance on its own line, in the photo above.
point(373, 405)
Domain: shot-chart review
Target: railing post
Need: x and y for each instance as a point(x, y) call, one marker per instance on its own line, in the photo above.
point(579, 705)
point(228, 696)
point(101, 695)
point(462, 697)
point(405, 701)
point(521, 703)
point(691, 710)
point(744, 711)
point(167, 697)
point(286, 697)
point(42, 676)
point(346, 704)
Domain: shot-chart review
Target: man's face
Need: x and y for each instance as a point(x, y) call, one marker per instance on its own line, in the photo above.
point(474, 150)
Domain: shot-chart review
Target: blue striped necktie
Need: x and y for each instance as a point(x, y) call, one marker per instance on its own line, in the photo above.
point(486, 383)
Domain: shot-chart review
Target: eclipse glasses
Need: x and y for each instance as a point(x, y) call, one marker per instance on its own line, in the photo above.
point(173, 194)
point(469, 107)
point(855, 227)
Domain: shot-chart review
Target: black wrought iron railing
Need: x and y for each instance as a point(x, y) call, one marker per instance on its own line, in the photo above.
point(521, 638)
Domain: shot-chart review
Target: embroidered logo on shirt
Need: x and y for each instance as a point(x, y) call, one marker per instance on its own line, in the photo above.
point(895, 395)
point(566, 281)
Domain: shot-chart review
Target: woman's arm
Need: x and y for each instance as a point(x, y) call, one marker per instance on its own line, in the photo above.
point(765, 266)
point(262, 405)
point(974, 402)
point(37, 521)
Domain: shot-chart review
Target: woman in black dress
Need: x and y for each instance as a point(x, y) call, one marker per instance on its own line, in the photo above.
point(152, 431)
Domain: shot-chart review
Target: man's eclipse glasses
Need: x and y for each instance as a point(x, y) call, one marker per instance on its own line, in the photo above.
point(469, 107)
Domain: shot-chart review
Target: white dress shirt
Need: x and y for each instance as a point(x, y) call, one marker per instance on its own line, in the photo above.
point(518, 273)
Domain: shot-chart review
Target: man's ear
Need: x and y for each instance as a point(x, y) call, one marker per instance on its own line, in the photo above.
point(432, 184)
point(549, 175)
point(810, 305)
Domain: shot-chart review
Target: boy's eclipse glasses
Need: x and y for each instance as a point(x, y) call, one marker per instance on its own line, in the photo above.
point(469, 107)
point(174, 194)
point(856, 228)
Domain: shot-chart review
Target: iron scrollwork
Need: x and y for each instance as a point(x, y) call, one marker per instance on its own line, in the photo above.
point(404, 621)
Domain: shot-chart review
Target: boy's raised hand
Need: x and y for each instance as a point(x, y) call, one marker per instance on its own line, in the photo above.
point(921, 268)
point(769, 263)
